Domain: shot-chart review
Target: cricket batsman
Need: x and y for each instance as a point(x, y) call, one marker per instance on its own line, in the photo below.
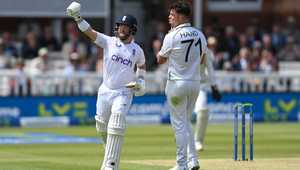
point(120, 81)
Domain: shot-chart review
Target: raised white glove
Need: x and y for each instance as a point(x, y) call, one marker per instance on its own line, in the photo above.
point(138, 86)
point(73, 10)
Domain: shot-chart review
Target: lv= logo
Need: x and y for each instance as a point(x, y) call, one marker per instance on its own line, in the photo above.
point(278, 110)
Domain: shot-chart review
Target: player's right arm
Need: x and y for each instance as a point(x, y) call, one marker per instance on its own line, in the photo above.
point(73, 10)
point(90, 32)
point(165, 50)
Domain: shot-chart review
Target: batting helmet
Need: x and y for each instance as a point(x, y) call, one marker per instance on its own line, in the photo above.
point(128, 20)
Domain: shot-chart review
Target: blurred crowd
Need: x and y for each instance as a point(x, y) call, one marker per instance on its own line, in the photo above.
point(252, 49)
point(35, 50)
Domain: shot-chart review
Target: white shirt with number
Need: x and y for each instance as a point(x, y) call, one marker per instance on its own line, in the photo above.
point(184, 46)
point(119, 60)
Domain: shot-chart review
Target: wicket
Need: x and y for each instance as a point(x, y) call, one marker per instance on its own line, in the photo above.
point(243, 109)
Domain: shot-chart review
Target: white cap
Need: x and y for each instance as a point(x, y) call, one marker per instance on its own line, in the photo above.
point(43, 51)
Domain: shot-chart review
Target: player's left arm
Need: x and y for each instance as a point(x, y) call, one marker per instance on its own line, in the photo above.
point(141, 71)
point(139, 86)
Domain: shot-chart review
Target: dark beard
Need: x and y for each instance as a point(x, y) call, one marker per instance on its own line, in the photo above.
point(123, 38)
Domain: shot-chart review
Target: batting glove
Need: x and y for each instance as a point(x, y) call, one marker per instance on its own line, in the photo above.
point(73, 10)
point(138, 86)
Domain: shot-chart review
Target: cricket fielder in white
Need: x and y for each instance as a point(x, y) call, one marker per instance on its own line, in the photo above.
point(120, 82)
point(201, 109)
point(183, 46)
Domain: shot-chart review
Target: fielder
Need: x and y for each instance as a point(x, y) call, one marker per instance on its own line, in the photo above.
point(183, 46)
point(201, 109)
point(115, 94)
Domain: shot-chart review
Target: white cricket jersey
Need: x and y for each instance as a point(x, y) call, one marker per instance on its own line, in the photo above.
point(184, 46)
point(207, 69)
point(119, 60)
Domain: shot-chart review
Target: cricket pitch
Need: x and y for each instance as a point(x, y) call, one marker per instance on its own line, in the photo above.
point(229, 164)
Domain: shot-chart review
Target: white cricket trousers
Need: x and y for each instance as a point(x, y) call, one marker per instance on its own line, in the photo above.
point(112, 108)
point(201, 102)
point(181, 96)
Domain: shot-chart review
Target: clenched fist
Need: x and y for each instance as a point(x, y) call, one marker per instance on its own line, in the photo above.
point(73, 10)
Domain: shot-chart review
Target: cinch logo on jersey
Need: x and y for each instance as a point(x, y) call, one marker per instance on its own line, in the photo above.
point(121, 60)
point(189, 34)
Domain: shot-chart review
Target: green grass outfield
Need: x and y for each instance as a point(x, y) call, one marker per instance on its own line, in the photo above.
point(152, 147)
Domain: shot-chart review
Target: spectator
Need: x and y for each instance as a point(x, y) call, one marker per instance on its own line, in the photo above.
point(40, 64)
point(227, 66)
point(20, 85)
point(92, 54)
point(230, 41)
point(4, 59)
point(48, 40)
point(256, 48)
point(10, 48)
point(161, 30)
point(208, 31)
point(241, 61)
point(268, 62)
point(243, 41)
point(151, 63)
point(290, 52)
point(235, 64)
point(75, 65)
point(251, 34)
point(278, 38)
point(291, 29)
point(74, 44)
point(219, 56)
point(216, 27)
point(267, 43)
point(84, 64)
point(30, 46)
point(255, 56)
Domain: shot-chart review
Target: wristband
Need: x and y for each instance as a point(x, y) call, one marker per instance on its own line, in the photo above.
point(140, 73)
point(83, 25)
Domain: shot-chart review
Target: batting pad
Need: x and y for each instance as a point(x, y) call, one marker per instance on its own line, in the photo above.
point(112, 152)
point(116, 124)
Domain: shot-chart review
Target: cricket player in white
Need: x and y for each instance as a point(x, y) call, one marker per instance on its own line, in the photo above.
point(115, 94)
point(201, 109)
point(183, 46)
